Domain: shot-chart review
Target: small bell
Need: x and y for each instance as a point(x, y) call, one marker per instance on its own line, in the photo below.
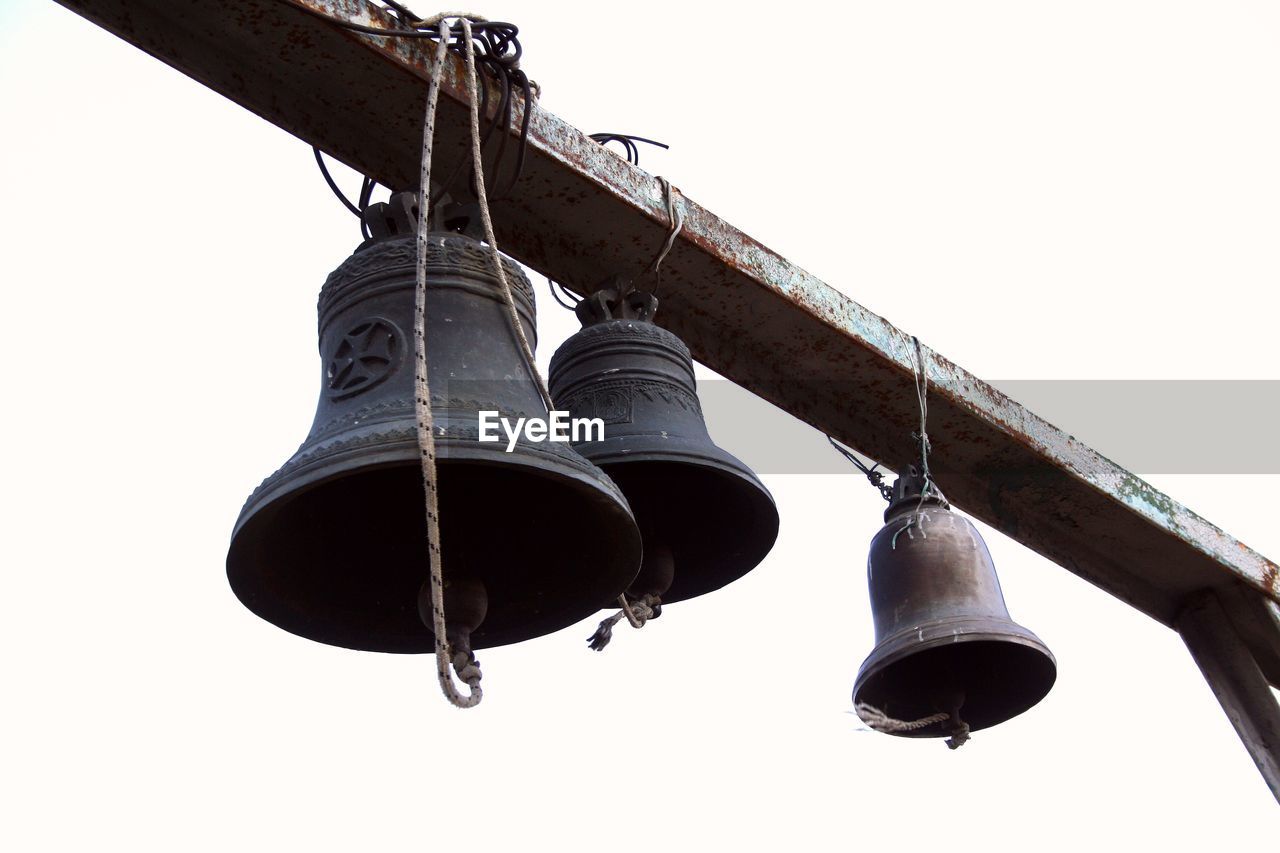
point(705, 518)
point(945, 645)
point(333, 546)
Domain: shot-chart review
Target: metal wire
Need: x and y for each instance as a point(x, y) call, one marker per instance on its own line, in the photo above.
point(873, 474)
point(400, 11)
point(482, 29)
point(366, 192)
point(628, 142)
point(573, 298)
point(497, 56)
point(328, 179)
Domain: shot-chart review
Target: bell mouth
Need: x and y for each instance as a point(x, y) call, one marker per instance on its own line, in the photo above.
point(719, 521)
point(339, 556)
point(1001, 668)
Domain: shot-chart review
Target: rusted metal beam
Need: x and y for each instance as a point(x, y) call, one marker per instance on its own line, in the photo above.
point(1237, 682)
point(583, 213)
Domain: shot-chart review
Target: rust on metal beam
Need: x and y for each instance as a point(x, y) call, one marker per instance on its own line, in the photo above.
point(583, 213)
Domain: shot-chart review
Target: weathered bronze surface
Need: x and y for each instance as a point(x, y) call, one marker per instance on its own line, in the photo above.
point(705, 517)
point(944, 639)
point(333, 546)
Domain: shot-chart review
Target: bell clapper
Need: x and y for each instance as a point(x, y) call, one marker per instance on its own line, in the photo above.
point(637, 611)
point(657, 571)
point(956, 727)
point(959, 733)
point(466, 602)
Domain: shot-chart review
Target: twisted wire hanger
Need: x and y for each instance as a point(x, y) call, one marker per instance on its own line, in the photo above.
point(873, 472)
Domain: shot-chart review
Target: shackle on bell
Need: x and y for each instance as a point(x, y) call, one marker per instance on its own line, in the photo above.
point(333, 546)
point(945, 642)
point(705, 518)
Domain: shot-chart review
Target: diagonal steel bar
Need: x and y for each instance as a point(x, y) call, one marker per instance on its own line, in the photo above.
point(582, 214)
point(1237, 682)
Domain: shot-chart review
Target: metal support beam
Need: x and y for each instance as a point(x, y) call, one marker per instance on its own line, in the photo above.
point(1237, 682)
point(582, 213)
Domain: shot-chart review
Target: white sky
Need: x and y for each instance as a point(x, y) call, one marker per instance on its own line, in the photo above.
point(1084, 190)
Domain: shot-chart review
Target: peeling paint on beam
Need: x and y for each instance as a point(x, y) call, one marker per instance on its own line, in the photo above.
point(583, 213)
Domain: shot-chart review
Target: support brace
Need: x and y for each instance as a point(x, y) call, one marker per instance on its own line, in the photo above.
point(1236, 680)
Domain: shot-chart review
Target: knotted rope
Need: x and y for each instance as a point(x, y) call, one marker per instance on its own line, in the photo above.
point(882, 722)
point(463, 662)
point(959, 735)
point(637, 612)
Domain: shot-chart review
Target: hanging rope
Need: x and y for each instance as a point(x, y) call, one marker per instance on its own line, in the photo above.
point(674, 215)
point(465, 664)
point(483, 200)
point(676, 218)
point(564, 297)
point(636, 612)
point(499, 56)
point(461, 660)
point(882, 722)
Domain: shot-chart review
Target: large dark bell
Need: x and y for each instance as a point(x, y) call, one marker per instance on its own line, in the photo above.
point(705, 517)
point(333, 546)
point(944, 639)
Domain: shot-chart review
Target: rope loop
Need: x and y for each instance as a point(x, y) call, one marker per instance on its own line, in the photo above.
point(879, 721)
point(959, 736)
point(497, 50)
point(637, 612)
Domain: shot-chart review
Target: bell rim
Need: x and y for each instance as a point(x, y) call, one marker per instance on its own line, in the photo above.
point(687, 451)
point(760, 498)
point(903, 644)
point(391, 443)
point(404, 453)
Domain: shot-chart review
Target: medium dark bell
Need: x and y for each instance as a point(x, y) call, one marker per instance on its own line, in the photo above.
point(333, 546)
point(944, 639)
point(705, 517)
